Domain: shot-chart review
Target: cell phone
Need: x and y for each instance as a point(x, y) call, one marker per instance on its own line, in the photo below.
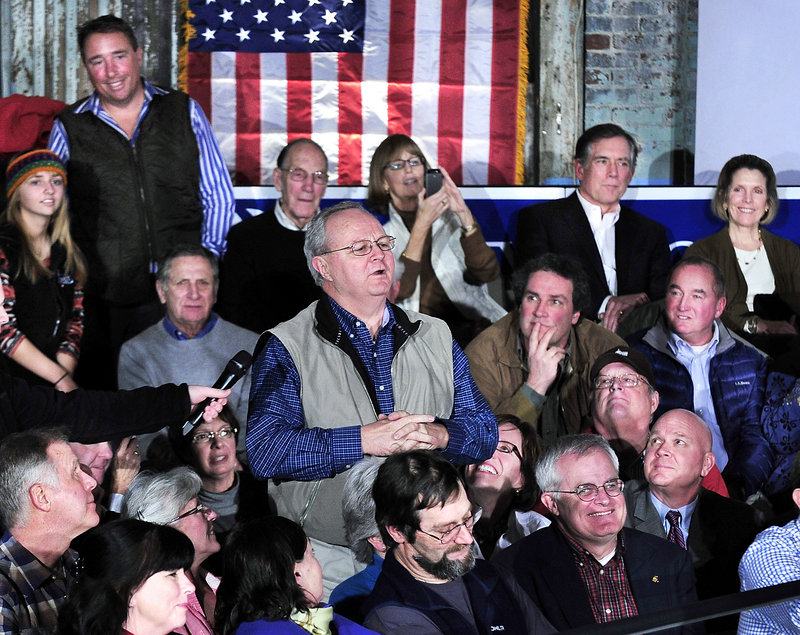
point(433, 181)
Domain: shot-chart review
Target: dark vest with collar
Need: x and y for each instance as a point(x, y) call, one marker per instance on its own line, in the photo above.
point(130, 204)
point(493, 605)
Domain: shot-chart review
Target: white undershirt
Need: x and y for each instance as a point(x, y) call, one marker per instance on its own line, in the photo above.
point(284, 220)
point(756, 271)
point(606, 240)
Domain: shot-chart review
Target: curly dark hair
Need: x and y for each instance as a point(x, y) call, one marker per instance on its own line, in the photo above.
point(258, 581)
point(564, 266)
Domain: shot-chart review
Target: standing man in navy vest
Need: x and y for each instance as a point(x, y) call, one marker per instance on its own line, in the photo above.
point(145, 173)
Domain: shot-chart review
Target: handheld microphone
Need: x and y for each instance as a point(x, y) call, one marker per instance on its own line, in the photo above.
point(234, 371)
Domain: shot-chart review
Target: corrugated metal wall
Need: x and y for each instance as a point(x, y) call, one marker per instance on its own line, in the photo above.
point(39, 49)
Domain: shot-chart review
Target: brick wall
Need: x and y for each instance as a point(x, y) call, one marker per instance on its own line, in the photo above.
point(640, 72)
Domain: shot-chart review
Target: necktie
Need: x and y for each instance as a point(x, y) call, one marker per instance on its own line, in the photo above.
point(675, 534)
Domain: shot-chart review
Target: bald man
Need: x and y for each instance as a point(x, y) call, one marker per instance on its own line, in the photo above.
point(672, 504)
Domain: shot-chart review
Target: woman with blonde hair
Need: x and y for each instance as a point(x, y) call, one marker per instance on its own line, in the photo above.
point(42, 272)
point(761, 270)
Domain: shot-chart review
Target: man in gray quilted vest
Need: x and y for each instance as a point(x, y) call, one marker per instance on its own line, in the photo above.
point(354, 375)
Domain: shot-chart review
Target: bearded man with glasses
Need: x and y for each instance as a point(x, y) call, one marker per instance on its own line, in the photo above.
point(586, 568)
point(354, 375)
point(430, 581)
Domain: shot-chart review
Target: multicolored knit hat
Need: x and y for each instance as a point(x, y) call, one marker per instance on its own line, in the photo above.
point(34, 161)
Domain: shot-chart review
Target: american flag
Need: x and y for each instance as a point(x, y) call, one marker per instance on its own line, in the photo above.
point(449, 73)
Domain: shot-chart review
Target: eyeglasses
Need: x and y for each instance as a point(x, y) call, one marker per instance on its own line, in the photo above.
point(364, 247)
point(299, 174)
point(208, 437)
point(589, 491)
point(629, 380)
point(399, 164)
point(506, 447)
point(450, 535)
point(200, 509)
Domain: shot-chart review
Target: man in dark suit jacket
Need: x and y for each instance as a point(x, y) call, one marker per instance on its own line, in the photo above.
point(677, 457)
point(264, 277)
point(585, 568)
point(626, 255)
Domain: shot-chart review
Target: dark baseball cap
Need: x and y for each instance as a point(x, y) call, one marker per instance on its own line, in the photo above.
point(628, 356)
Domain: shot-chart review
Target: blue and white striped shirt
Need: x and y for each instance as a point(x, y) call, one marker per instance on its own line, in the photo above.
point(216, 189)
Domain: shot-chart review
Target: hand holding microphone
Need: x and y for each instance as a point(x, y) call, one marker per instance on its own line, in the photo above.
point(235, 369)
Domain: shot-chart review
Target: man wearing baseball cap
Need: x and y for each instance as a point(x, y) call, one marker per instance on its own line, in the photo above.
point(623, 402)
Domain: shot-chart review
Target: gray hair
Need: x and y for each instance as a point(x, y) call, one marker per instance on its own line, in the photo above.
point(159, 498)
point(316, 234)
point(186, 250)
point(23, 463)
point(547, 473)
point(358, 507)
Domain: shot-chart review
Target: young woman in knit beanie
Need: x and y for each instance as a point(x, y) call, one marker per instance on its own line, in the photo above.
point(42, 274)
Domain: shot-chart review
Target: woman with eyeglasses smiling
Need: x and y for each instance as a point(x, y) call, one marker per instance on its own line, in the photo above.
point(504, 487)
point(444, 261)
point(171, 498)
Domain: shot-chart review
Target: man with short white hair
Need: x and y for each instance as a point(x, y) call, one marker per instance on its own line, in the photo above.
point(672, 504)
point(265, 279)
point(45, 501)
point(587, 568)
point(354, 375)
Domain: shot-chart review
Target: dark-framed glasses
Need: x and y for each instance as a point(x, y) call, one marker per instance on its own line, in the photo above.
point(200, 509)
point(399, 164)
point(364, 247)
point(450, 535)
point(506, 447)
point(587, 492)
point(628, 380)
point(299, 174)
point(207, 437)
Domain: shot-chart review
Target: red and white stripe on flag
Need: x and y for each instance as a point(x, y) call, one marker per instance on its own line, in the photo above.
point(449, 73)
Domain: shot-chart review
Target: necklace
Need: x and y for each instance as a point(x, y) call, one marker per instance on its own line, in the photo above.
point(747, 258)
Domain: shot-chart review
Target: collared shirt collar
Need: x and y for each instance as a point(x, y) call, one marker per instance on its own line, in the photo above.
point(681, 347)
point(594, 214)
point(686, 513)
point(94, 105)
point(177, 334)
point(284, 220)
point(352, 324)
point(581, 553)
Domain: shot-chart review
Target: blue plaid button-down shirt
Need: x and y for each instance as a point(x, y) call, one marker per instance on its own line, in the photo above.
point(279, 443)
point(773, 558)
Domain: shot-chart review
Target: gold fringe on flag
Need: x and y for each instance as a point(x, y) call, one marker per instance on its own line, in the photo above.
point(522, 90)
point(188, 32)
